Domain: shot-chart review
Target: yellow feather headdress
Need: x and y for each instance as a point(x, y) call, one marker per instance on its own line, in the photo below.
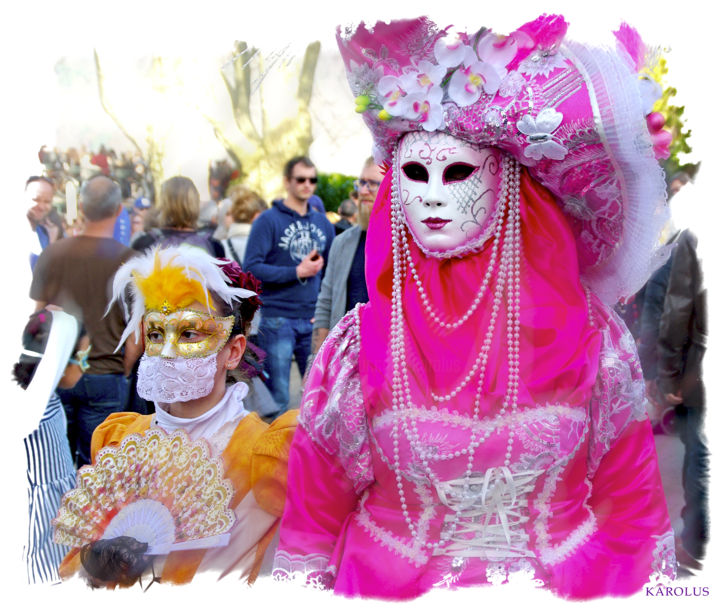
point(168, 279)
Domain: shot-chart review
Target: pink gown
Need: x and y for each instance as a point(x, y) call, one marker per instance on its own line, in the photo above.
point(573, 502)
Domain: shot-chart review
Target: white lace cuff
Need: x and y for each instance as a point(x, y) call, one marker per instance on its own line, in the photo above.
point(308, 570)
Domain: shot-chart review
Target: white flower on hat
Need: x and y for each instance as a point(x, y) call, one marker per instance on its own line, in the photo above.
point(482, 72)
point(426, 108)
point(394, 97)
point(539, 135)
point(500, 50)
point(469, 82)
point(422, 78)
point(450, 52)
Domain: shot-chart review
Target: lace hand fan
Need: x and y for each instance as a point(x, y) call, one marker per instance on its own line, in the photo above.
point(161, 489)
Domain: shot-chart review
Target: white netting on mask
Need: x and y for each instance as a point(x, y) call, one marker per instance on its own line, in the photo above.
point(168, 380)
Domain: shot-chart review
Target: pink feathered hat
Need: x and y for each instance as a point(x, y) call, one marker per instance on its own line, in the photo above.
point(574, 115)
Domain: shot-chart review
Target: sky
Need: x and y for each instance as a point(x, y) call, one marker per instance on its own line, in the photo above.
point(46, 31)
point(34, 35)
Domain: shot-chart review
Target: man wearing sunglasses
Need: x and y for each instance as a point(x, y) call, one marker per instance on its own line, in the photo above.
point(343, 285)
point(286, 250)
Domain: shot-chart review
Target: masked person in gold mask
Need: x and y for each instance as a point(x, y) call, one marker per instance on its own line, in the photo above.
point(195, 489)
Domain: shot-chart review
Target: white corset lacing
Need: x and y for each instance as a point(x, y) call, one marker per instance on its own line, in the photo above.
point(492, 513)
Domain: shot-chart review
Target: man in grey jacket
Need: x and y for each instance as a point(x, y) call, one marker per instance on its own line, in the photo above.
point(344, 283)
point(681, 346)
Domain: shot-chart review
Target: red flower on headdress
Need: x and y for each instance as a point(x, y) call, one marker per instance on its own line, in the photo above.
point(661, 138)
point(241, 279)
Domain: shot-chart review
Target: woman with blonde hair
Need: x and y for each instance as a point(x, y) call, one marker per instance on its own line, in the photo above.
point(246, 205)
point(179, 210)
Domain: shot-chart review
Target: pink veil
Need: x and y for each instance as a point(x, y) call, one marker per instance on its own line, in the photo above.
point(559, 348)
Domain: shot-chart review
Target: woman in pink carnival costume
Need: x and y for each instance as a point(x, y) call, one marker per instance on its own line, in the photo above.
point(481, 419)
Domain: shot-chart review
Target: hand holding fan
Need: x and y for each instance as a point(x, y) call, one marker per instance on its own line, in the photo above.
point(162, 490)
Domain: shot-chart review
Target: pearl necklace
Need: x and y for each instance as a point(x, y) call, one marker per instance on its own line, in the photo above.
point(508, 283)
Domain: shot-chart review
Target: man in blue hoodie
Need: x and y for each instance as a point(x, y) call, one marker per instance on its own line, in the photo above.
point(286, 250)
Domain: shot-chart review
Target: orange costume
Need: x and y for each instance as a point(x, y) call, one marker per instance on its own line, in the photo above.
point(255, 461)
point(202, 493)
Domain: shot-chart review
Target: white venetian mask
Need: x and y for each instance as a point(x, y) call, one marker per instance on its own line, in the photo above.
point(449, 191)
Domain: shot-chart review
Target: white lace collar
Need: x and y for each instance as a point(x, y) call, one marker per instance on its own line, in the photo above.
point(230, 408)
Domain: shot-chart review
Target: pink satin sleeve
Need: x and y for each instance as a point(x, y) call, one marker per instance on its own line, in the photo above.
point(320, 499)
point(329, 465)
point(632, 544)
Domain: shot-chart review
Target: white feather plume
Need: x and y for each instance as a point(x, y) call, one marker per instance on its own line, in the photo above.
point(196, 263)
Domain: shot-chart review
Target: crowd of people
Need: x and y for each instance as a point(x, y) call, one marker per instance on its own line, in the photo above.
point(472, 398)
point(72, 271)
point(129, 170)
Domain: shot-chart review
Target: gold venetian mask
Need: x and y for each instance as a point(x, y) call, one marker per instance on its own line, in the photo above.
point(185, 333)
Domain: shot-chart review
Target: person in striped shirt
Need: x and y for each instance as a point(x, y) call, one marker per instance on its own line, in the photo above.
point(54, 354)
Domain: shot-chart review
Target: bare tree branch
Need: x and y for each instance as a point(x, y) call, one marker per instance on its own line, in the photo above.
point(272, 143)
point(240, 92)
point(246, 76)
point(263, 113)
point(105, 105)
point(232, 150)
point(307, 74)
